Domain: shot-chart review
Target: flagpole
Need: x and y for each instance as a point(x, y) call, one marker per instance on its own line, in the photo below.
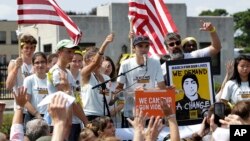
point(131, 38)
point(19, 41)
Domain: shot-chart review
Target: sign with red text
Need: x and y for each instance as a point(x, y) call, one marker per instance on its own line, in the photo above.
point(149, 101)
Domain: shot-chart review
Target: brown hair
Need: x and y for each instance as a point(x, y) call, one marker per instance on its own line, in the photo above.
point(99, 124)
point(51, 56)
point(85, 134)
point(172, 36)
point(242, 109)
point(90, 52)
point(27, 39)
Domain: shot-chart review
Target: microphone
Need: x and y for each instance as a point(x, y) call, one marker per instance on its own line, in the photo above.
point(145, 57)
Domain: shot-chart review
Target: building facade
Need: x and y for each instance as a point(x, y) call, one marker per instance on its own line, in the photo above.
point(113, 17)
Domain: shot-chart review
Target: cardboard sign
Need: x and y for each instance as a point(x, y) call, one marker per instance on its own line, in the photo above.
point(193, 80)
point(149, 101)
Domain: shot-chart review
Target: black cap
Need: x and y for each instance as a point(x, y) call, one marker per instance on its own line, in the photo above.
point(140, 39)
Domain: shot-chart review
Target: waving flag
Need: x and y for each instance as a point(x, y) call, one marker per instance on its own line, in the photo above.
point(151, 18)
point(46, 12)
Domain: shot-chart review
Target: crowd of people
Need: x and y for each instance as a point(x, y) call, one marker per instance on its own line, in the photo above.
point(97, 112)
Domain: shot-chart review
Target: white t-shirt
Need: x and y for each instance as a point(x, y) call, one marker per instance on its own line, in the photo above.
point(75, 119)
point(234, 93)
point(53, 79)
point(23, 72)
point(37, 89)
point(92, 99)
point(140, 77)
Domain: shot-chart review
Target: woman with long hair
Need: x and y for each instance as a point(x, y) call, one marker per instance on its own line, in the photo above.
point(91, 76)
point(36, 85)
point(116, 104)
point(238, 87)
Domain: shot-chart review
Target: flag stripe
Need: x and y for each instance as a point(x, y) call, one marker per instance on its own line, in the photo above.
point(35, 7)
point(44, 2)
point(36, 12)
point(40, 22)
point(46, 12)
point(151, 18)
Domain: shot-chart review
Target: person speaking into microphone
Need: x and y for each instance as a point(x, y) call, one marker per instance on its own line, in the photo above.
point(149, 76)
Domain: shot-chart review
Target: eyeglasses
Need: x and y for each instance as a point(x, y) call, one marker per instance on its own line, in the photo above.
point(40, 62)
point(177, 43)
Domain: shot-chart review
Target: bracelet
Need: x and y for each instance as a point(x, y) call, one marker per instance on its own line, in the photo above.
point(170, 116)
point(19, 107)
point(100, 53)
point(213, 30)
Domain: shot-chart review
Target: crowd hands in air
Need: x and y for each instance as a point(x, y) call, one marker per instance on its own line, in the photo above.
point(75, 73)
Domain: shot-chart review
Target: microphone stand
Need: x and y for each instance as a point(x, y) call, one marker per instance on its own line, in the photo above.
point(103, 86)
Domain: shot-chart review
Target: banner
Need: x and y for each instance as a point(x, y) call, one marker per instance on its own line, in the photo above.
point(149, 101)
point(193, 81)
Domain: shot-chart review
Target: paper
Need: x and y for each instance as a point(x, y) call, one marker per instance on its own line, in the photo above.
point(48, 99)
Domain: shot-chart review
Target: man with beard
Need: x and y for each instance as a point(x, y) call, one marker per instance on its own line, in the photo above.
point(174, 48)
point(173, 44)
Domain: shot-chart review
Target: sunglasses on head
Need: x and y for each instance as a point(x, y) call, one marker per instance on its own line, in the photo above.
point(177, 43)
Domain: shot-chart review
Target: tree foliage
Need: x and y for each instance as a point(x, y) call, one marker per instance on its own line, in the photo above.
point(216, 12)
point(242, 23)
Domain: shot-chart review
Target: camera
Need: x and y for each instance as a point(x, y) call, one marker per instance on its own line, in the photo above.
point(219, 112)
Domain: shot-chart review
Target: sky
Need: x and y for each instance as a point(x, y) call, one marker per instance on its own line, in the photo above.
point(194, 7)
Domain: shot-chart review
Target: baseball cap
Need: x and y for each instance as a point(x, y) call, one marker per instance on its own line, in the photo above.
point(140, 39)
point(66, 43)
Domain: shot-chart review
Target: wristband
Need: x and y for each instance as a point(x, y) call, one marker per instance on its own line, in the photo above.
point(19, 107)
point(100, 53)
point(213, 30)
point(170, 116)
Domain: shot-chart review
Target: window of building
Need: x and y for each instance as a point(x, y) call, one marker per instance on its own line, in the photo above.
point(2, 37)
point(215, 59)
point(2, 59)
point(47, 48)
point(14, 39)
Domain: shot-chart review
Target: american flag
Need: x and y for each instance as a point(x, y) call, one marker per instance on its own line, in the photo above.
point(151, 18)
point(46, 12)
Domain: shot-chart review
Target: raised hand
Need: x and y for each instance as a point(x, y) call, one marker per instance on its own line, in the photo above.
point(20, 97)
point(57, 109)
point(139, 120)
point(154, 129)
point(19, 62)
point(206, 26)
point(167, 110)
point(232, 120)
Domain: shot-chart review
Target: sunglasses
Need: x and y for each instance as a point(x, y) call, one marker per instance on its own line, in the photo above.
point(177, 43)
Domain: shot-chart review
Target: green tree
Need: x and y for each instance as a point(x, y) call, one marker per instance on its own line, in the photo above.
point(242, 23)
point(216, 12)
point(93, 11)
